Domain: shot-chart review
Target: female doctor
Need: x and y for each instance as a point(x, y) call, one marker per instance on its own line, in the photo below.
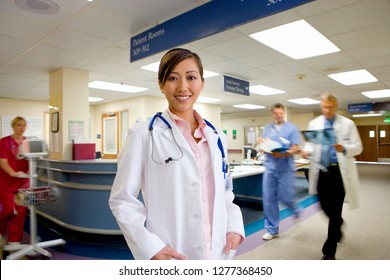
point(176, 160)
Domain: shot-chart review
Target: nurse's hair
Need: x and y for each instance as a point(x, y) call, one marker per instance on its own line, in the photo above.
point(329, 97)
point(277, 106)
point(172, 58)
point(17, 119)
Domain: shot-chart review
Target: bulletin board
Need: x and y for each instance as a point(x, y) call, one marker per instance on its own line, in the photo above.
point(34, 126)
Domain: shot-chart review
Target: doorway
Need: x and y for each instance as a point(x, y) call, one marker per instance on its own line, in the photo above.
point(110, 132)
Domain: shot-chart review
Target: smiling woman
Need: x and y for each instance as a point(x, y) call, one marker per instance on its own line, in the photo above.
point(188, 209)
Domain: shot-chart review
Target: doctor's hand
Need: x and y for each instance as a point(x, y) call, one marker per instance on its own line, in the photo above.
point(167, 253)
point(232, 242)
point(280, 155)
point(338, 147)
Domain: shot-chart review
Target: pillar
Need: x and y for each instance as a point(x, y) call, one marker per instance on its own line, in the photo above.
point(69, 111)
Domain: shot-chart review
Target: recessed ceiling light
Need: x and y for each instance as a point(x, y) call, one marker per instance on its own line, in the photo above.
point(383, 93)
point(304, 101)
point(115, 87)
point(366, 115)
point(94, 99)
point(47, 7)
point(353, 77)
point(202, 99)
point(263, 90)
point(155, 65)
point(297, 40)
point(249, 106)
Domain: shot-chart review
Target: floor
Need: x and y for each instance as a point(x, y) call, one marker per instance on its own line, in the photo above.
point(367, 229)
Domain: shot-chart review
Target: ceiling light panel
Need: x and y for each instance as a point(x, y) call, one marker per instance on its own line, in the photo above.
point(383, 93)
point(249, 106)
point(304, 101)
point(94, 99)
point(263, 90)
point(353, 77)
point(366, 115)
point(297, 40)
point(202, 99)
point(115, 87)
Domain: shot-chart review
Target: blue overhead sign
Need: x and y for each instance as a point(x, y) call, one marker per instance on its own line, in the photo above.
point(359, 108)
point(235, 85)
point(208, 19)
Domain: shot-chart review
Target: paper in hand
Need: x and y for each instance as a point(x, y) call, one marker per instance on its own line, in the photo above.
point(270, 146)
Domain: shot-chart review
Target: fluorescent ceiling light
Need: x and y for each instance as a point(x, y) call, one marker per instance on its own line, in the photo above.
point(383, 93)
point(94, 99)
point(366, 115)
point(202, 99)
point(353, 77)
point(152, 66)
point(249, 106)
point(304, 101)
point(155, 65)
point(115, 87)
point(263, 90)
point(297, 40)
point(209, 74)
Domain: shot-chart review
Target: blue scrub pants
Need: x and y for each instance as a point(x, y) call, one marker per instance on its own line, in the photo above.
point(277, 186)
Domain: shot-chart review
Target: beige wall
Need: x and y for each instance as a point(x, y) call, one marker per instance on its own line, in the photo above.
point(145, 107)
point(24, 108)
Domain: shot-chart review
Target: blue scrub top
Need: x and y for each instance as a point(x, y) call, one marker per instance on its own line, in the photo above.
point(287, 135)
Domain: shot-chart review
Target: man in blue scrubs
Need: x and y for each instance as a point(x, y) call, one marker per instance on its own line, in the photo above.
point(278, 179)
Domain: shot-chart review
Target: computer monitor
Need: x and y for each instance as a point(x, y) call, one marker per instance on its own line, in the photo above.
point(32, 148)
point(252, 151)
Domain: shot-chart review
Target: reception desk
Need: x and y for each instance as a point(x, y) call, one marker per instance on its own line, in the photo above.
point(248, 181)
point(83, 189)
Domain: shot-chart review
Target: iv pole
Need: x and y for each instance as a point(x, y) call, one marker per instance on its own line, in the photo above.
point(34, 246)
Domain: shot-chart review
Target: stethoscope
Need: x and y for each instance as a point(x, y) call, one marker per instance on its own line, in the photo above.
point(225, 164)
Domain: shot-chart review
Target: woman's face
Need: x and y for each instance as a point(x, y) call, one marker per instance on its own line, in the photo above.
point(19, 127)
point(182, 87)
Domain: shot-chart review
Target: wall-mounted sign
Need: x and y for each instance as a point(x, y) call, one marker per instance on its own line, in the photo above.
point(206, 20)
point(358, 108)
point(235, 85)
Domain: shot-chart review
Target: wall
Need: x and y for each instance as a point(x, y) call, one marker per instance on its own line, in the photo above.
point(139, 107)
point(238, 124)
point(24, 108)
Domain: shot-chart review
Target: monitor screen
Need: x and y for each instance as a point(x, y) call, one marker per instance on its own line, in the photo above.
point(36, 146)
point(252, 151)
point(32, 148)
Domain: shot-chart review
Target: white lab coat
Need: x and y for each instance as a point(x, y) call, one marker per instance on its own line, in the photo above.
point(171, 213)
point(347, 135)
